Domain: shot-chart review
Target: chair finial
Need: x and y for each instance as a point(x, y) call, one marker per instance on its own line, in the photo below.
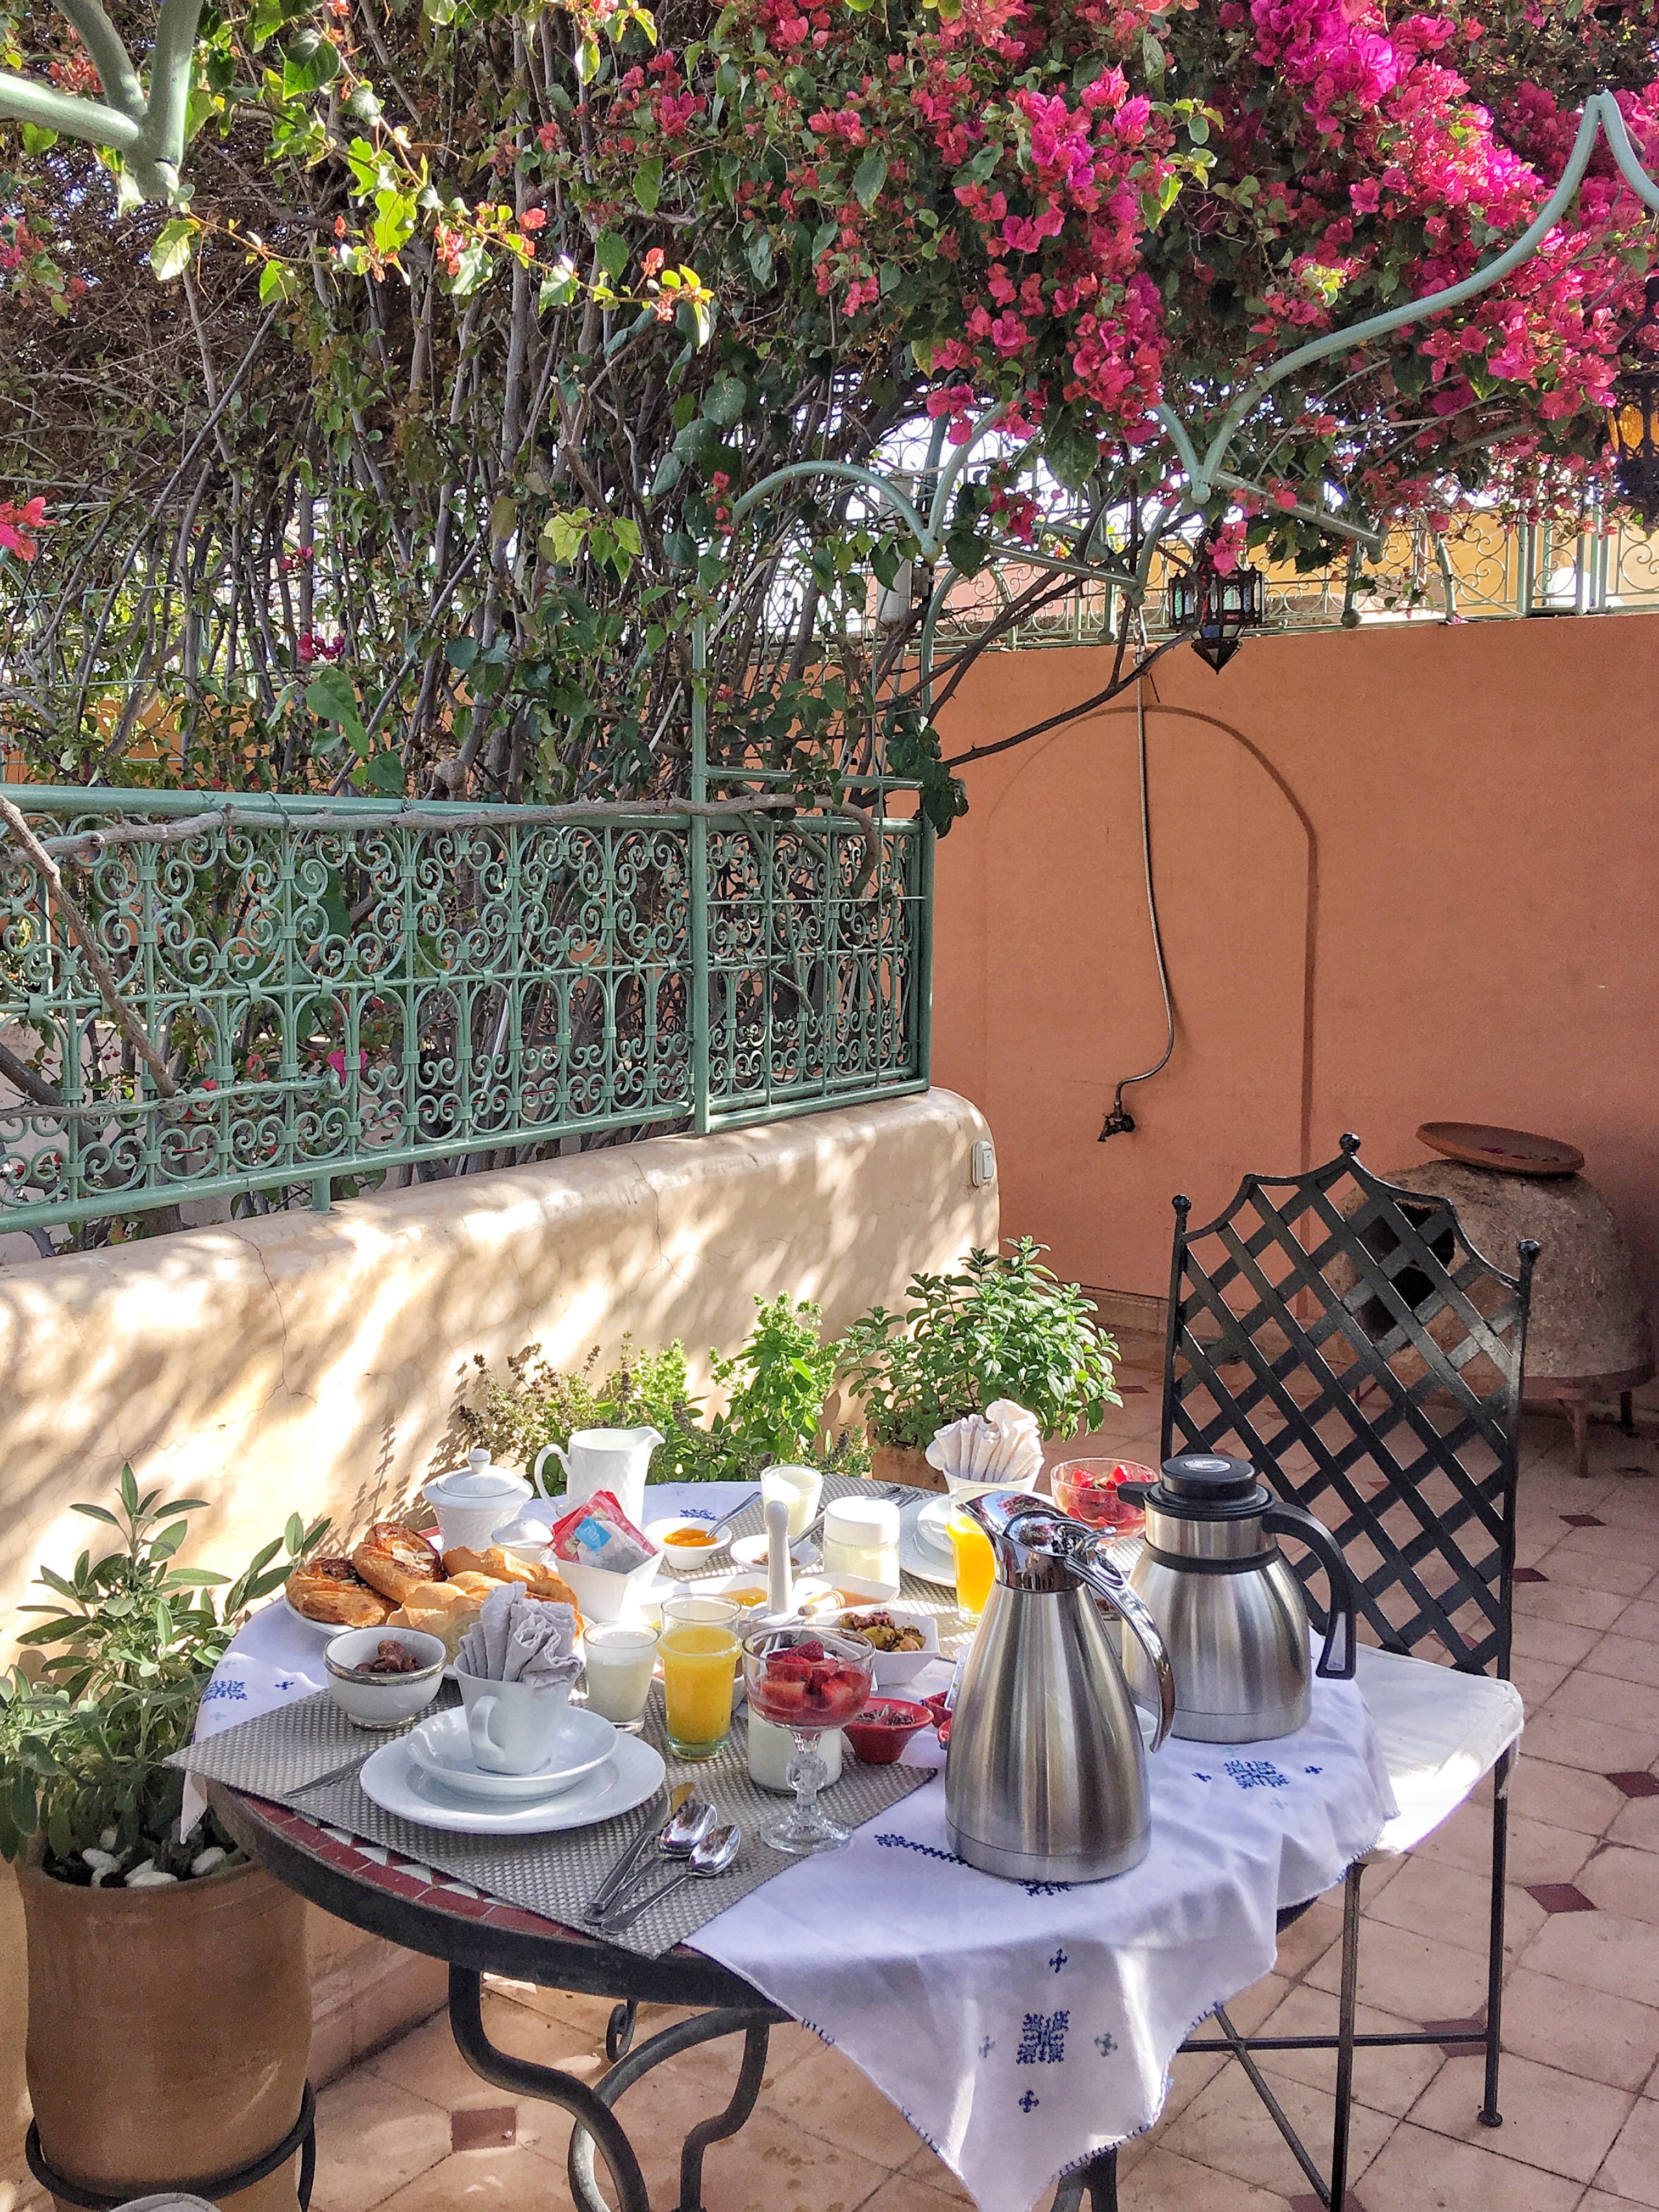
point(1182, 1204)
point(1350, 1144)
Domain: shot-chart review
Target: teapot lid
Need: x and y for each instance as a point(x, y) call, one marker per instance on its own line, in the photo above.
point(478, 1481)
point(1202, 1486)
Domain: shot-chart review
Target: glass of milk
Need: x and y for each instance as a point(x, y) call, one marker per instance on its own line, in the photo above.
point(799, 1487)
point(620, 1660)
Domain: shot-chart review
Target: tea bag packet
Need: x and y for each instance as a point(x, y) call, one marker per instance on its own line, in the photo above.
point(1000, 1445)
point(522, 1640)
point(598, 1534)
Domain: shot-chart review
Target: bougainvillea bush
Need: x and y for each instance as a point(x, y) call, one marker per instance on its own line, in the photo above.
point(406, 449)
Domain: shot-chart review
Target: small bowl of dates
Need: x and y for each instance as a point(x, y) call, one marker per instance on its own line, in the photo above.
point(885, 1727)
point(381, 1677)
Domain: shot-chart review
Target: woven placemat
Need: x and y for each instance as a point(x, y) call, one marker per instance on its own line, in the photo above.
point(277, 1754)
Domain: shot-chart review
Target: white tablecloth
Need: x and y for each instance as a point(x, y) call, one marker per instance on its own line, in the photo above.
point(1021, 2027)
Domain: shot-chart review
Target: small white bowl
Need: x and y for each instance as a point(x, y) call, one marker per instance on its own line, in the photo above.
point(383, 1701)
point(688, 1559)
point(893, 1668)
point(601, 1595)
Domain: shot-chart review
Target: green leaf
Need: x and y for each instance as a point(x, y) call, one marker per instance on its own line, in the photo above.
point(868, 179)
point(461, 652)
point(309, 63)
point(613, 254)
point(276, 282)
point(760, 257)
point(726, 398)
point(175, 242)
point(385, 773)
point(331, 698)
point(36, 140)
point(647, 183)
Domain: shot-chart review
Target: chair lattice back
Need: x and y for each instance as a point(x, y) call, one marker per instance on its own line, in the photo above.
point(1344, 1335)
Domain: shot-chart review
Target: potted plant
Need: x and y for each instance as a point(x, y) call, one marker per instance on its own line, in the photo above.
point(169, 2005)
point(1005, 1326)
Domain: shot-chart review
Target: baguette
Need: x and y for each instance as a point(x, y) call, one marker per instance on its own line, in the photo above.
point(499, 1565)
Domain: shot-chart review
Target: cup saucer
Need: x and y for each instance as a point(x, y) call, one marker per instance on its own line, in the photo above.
point(442, 1747)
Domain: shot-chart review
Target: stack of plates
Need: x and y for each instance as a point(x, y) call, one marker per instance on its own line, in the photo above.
point(925, 1543)
point(592, 1773)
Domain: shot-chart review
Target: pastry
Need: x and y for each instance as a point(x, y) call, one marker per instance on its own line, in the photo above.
point(331, 1591)
point(441, 1610)
point(553, 1590)
point(501, 1567)
point(395, 1561)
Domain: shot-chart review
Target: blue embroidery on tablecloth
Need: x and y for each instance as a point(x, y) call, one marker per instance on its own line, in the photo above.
point(236, 1692)
point(1059, 1960)
point(1045, 1888)
point(1029, 2102)
point(1042, 2039)
point(986, 2045)
point(1256, 1774)
point(1312, 1770)
point(285, 1682)
point(1105, 2045)
point(1197, 1776)
point(927, 1850)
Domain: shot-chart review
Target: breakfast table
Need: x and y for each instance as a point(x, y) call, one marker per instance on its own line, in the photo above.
point(1024, 2029)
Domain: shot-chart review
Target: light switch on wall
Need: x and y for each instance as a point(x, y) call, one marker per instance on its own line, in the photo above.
point(984, 1162)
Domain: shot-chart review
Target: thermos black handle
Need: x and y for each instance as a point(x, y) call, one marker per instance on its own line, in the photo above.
point(1336, 1661)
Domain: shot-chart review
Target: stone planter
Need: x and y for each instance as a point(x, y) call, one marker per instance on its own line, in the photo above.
point(168, 2032)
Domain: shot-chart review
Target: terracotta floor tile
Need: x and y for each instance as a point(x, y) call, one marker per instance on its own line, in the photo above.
point(1387, 2081)
point(372, 2137)
point(1308, 1938)
point(476, 2180)
point(1162, 2182)
point(428, 2062)
point(1419, 2171)
point(1617, 1540)
point(1621, 1878)
point(1413, 1976)
point(1537, 1679)
point(1558, 1640)
point(1454, 1906)
point(1598, 1951)
point(1637, 1824)
point(772, 2167)
point(1592, 1746)
point(909, 2192)
point(1228, 2127)
point(1587, 2032)
point(1562, 1796)
point(825, 2093)
point(1610, 1699)
point(1557, 2121)
point(1632, 2167)
point(1640, 1621)
point(1583, 1608)
point(1627, 1657)
point(928, 2168)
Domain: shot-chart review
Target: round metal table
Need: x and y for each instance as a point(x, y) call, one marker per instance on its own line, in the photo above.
point(478, 1936)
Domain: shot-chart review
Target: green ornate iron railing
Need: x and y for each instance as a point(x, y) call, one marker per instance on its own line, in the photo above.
point(340, 988)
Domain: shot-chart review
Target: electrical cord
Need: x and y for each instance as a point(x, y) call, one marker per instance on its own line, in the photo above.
point(1119, 1123)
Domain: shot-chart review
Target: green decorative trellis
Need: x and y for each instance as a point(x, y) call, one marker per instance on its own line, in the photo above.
point(344, 987)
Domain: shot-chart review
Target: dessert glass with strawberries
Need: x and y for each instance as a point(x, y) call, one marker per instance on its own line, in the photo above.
point(806, 1680)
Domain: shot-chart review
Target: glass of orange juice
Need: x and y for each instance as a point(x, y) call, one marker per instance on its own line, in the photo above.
point(976, 1566)
point(699, 1668)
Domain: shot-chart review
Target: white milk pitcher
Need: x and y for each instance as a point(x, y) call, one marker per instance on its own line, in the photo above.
point(616, 1460)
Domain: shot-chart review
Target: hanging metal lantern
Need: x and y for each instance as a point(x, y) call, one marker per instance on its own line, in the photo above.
point(1634, 415)
point(1219, 608)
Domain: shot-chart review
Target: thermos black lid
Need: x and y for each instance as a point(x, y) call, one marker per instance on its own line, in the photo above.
point(1208, 1478)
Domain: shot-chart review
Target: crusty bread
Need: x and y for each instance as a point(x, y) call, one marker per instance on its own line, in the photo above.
point(553, 1590)
point(444, 1610)
point(499, 1565)
point(329, 1591)
point(395, 1561)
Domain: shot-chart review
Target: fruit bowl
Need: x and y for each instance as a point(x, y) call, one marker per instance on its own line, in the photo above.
point(885, 1727)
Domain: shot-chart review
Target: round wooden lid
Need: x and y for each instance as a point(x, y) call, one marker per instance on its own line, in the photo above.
point(1509, 1151)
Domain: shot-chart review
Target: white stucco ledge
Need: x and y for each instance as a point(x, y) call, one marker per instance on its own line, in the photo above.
point(308, 1363)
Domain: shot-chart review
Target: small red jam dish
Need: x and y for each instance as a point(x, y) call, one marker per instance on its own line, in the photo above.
point(884, 1727)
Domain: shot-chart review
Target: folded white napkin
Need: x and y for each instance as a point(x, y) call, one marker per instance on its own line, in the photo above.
point(520, 1639)
point(1002, 1444)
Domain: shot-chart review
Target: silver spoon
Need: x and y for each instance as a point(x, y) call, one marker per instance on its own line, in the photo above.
point(712, 1855)
point(685, 1828)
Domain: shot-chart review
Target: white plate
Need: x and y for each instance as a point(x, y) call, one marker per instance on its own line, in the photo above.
point(441, 1748)
point(933, 1524)
point(324, 1628)
point(920, 1560)
point(633, 1773)
point(751, 1552)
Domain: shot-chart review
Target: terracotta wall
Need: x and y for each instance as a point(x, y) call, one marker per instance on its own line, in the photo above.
point(1404, 875)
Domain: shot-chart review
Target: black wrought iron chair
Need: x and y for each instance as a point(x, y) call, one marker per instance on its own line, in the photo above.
point(1344, 1335)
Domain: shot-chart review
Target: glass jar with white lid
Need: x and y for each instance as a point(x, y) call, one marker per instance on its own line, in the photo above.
point(861, 1538)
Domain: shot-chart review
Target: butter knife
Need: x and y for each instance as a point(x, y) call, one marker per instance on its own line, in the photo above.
point(632, 1858)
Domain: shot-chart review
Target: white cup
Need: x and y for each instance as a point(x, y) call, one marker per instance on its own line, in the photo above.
point(511, 1725)
point(799, 1487)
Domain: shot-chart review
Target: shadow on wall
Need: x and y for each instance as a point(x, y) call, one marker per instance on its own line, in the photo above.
point(308, 1363)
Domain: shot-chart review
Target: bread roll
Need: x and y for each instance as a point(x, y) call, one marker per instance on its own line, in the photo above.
point(395, 1561)
point(443, 1610)
point(499, 1566)
point(329, 1591)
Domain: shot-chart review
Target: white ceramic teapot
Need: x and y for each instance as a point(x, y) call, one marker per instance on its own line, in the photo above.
point(473, 1501)
point(616, 1460)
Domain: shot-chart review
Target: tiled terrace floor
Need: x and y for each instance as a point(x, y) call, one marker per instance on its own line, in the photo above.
point(1581, 2075)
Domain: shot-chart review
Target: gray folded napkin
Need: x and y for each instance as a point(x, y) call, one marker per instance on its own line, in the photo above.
point(520, 1639)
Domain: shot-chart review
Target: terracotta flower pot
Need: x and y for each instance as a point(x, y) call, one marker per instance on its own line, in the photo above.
point(168, 2031)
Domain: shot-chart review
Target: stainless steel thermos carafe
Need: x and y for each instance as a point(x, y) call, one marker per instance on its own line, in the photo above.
point(1045, 1778)
point(1227, 1605)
